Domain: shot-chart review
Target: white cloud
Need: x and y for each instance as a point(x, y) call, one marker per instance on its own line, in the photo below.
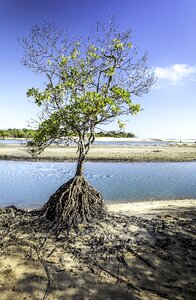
point(176, 73)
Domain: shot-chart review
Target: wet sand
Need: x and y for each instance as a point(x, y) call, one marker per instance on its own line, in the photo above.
point(143, 153)
point(143, 250)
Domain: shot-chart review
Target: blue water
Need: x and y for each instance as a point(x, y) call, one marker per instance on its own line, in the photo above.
point(14, 141)
point(129, 143)
point(114, 143)
point(29, 184)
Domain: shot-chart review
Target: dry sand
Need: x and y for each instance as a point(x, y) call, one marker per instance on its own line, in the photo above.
point(177, 152)
point(149, 209)
point(145, 250)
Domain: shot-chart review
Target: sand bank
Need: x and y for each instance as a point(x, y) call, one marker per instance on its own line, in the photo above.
point(143, 153)
point(152, 208)
point(141, 251)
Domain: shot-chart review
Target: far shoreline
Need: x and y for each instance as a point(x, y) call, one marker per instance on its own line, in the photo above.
point(96, 160)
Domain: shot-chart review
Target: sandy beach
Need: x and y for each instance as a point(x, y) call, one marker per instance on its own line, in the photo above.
point(142, 250)
point(184, 151)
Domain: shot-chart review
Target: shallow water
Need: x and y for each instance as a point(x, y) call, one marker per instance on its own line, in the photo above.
point(114, 143)
point(14, 141)
point(29, 184)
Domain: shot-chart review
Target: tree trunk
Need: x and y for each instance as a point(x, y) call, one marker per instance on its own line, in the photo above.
point(75, 201)
point(81, 157)
point(79, 169)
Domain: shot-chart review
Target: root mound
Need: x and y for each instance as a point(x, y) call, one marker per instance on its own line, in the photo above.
point(73, 203)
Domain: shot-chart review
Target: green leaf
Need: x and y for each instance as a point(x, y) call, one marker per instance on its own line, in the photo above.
point(121, 124)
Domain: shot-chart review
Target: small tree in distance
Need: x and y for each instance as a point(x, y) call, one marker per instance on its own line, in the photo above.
point(89, 83)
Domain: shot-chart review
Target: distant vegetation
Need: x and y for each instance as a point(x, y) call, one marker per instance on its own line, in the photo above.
point(116, 134)
point(28, 133)
point(16, 133)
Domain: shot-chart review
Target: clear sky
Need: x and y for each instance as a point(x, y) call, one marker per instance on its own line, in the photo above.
point(166, 29)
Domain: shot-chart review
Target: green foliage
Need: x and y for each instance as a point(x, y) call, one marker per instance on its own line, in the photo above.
point(121, 124)
point(115, 134)
point(48, 130)
point(17, 133)
point(89, 83)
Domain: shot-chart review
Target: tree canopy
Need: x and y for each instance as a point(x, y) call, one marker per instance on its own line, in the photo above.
point(89, 82)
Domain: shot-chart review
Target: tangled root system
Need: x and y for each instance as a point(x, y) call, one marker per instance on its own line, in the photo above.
point(73, 203)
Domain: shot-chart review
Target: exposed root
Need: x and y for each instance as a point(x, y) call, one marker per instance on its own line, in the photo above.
point(142, 257)
point(73, 203)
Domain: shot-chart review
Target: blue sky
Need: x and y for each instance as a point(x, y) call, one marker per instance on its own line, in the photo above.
point(166, 29)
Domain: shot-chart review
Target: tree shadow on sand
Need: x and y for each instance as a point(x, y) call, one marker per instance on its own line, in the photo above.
point(120, 257)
